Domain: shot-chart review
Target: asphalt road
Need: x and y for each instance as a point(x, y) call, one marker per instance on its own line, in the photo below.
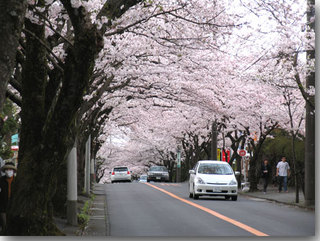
point(164, 209)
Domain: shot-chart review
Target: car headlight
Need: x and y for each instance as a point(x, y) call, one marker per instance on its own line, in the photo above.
point(233, 182)
point(200, 181)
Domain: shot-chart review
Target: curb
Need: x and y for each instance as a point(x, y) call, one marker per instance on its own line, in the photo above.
point(106, 217)
point(98, 224)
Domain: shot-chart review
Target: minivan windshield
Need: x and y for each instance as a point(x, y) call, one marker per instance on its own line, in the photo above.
point(120, 169)
point(213, 168)
point(158, 169)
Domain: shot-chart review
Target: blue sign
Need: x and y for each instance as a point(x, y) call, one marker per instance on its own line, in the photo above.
point(15, 139)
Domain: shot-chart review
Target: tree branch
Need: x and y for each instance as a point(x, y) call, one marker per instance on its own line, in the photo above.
point(14, 98)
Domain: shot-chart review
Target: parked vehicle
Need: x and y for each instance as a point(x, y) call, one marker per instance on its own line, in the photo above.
point(158, 173)
point(213, 178)
point(121, 174)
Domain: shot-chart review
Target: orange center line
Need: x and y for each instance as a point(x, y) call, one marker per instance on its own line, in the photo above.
point(216, 214)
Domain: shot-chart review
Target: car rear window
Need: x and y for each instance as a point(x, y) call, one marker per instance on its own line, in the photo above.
point(158, 168)
point(120, 169)
point(209, 168)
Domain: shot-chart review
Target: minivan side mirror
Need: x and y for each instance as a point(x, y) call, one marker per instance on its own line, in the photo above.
point(192, 172)
point(237, 173)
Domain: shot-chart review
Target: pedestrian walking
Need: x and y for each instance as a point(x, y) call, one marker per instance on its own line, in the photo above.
point(265, 174)
point(6, 183)
point(283, 171)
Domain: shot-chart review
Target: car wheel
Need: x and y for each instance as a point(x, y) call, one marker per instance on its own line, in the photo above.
point(190, 193)
point(234, 198)
point(195, 196)
point(227, 197)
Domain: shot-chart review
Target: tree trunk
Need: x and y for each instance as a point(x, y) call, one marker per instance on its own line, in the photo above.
point(81, 163)
point(11, 19)
point(46, 138)
point(252, 175)
point(310, 120)
point(310, 156)
point(31, 208)
point(295, 171)
point(256, 148)
point(48, 119)
point(236, 142)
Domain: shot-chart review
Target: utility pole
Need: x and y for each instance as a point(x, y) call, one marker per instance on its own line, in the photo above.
point(72, 193)
point(92, 171)
point(214, 144)
point(179, 163)
point(87, 167)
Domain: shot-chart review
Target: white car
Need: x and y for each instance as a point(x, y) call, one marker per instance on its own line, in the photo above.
point(213, 178)
point(143, 178)
point(121, 174)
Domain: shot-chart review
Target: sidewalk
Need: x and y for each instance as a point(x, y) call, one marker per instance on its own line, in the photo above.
point(98, 224)
point(272, 194)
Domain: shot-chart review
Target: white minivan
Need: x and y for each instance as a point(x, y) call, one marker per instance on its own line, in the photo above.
point(213, 178)
point(120, 174)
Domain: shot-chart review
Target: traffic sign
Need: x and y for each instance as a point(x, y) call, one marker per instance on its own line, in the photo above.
point(242, 152)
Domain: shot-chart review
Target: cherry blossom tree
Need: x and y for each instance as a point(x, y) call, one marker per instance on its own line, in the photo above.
point(10, 30)
point(143, 77)
point(52, 90)
point(263, 58)
point(64, 44)
point(283, 43)
point(296, 117)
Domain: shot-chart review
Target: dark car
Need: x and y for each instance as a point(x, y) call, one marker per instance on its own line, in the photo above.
point(158, 173)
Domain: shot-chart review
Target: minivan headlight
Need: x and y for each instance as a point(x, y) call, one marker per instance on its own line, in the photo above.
point(233, 182)
point(200, 181)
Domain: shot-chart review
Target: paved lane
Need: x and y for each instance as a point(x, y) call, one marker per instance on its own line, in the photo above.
point(271, 218)
point(137, 209)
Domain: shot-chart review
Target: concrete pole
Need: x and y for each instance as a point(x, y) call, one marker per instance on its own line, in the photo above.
point(178, 164)
point(87, 167)
point(245, 169)
point(72, 193)
point(92, 171)
point(214, 143)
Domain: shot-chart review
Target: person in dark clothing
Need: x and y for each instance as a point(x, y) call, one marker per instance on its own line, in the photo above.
point(265, 174)
point(6, 183)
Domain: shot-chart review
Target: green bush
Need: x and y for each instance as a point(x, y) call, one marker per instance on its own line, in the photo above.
point(84, 215)
point(83, 219)
point(85, 208)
